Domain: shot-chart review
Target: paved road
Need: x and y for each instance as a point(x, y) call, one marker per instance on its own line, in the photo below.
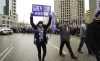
point(20, 47)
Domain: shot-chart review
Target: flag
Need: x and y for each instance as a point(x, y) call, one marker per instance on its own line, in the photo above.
point(53, 22)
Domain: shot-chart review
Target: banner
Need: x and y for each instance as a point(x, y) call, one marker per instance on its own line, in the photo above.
point(41, 10)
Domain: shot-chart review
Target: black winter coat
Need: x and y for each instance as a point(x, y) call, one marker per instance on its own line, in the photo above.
point(93, 35)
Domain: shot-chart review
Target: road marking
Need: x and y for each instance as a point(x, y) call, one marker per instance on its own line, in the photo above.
point(6, 54)
point(56, 47)
point(4, 51)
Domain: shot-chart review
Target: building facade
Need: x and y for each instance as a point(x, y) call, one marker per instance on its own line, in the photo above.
point(2, 5)
point(93, 6)
point(92, 9)
point(8, 15)
point(98, 4)
point(71, 10)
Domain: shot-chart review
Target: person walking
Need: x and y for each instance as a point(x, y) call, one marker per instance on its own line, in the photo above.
point(65, 37)
point(93, 35)
point(83, 38)
point(40, 35)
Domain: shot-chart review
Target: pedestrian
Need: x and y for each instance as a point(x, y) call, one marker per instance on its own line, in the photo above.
point(65, 39)
point(83, 38)
point(93, 35)
point(40, 35)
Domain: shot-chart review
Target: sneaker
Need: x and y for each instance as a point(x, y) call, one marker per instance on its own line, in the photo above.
point(62, 55)
point(80, 52)
point(75, 58)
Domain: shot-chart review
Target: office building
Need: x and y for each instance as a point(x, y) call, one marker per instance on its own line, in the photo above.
point(71, 10)
point(8, 15)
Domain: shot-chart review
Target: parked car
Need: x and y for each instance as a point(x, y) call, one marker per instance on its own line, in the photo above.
point(5, 30)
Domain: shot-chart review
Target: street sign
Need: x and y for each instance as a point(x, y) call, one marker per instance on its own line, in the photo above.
point(41, 10)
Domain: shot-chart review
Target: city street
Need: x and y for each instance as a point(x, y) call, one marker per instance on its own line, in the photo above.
point(20, 47)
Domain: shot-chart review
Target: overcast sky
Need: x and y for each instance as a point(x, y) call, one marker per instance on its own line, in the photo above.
point(24, 8)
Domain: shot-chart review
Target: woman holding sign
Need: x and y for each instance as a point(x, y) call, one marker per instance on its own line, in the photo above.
point(40, 36)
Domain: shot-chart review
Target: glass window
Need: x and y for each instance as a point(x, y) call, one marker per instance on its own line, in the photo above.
point(8, 17)
point(14, 7)
point(7, 22)
point(14, 13)
point(14, 0)
point(3, 17)
point(3, 22)
point(14, 17)
point(14, 3)
point(14, 10)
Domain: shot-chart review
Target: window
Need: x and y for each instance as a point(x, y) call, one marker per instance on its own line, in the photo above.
point(14, 0)
point(14, 17)
point(14, 13)
point(3, 22)
point(14, 10)
point(14, 3)
point(7, 22)
point(8, 17)
point(3, 17)
point(65, 15)
point(14, 7)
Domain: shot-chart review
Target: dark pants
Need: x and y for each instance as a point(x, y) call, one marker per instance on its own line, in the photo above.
point(43, 45)
point(68, 46)
point(97, 56)
point(97, 53)
point(83, 40)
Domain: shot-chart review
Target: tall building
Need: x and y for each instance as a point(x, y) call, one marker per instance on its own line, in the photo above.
point(71, 10)
point(81, 11)
point(93, 6)
point(92, 9)
point(2, 5)
point(98, 4)
point(8, 15)
point(14, 10)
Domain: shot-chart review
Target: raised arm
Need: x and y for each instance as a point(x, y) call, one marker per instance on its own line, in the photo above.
point(50, 18)
point(32, 23)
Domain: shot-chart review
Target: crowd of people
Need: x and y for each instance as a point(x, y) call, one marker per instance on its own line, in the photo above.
point(89, 34)
point(22, 29)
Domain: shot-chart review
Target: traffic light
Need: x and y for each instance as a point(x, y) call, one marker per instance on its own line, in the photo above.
point(87, 13)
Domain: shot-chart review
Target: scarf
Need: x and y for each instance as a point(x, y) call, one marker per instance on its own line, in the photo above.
point(40, 31)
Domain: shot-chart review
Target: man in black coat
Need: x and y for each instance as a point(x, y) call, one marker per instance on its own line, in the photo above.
point(65, 39)
point(40, 36)
point(93, 35)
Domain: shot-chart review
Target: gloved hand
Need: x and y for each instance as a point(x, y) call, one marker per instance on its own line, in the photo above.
point(50, 17)
point(31, 15)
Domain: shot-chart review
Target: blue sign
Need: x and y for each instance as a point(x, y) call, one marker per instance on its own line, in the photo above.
point(41, 10)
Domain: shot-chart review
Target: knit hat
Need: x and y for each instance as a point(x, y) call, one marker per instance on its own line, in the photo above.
point(97, 13)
